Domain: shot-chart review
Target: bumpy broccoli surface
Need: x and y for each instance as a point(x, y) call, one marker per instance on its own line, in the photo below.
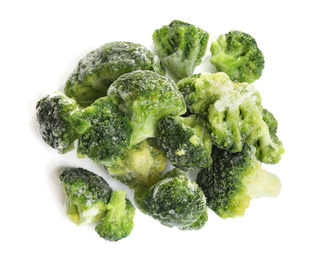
point(118, 221)
point(139, 165)
point(237, 54)
point(234, 179)
point(175, 201)
point(53, 117)
point(99, 68)
point(186, 142)
point(105, 132)
point(86, 195)
point(145, 97)
point(180, 46)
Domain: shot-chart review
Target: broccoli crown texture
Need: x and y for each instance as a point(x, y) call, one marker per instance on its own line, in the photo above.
point(139, 165)
point(233, 180)
point(185, 141)
point(105, 133)
point(118, 221)
point(99, 68)
point(86, 195)
point(146, 97)
point(180, 46)
point(53, 117)
point(237, 54)
point(175, 201)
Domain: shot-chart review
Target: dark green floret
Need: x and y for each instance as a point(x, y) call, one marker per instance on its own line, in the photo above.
point(99, 68)
point(86, 195)
point(186, 141)
point(53, 117)
point(237, 54)
point(181, 47)
point(118, 221)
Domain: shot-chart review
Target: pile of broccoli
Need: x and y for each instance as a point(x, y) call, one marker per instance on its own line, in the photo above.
point(125, 114)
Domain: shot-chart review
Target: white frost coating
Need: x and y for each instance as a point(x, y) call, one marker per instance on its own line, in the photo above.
point(89, 215)
point(156, 188)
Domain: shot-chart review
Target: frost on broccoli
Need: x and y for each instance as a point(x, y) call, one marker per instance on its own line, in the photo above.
point(234, 179)
point(145, 97)
point(53, 117)
point(118, 221)
point(105, 132)
point(175, 201)
point(180, 46)
point(237, 54)
point(99, 68)
point(86, 195)
point(138, 165)
point(186, 141)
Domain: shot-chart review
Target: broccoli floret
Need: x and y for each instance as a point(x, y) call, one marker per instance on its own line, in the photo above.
point(180, 46)
point(86, 195)
point(99, 68)
point(105, 132)
point(186, 142)
point(118, 221)
point(233, 180)
point(146, 97)
point(53, 117)
point(237, 54)
point(175, 201)
point(139, 165)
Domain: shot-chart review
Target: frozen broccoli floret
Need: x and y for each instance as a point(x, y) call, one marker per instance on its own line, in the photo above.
point(105, 132)
point(175, 201)
point(234, 179)
point(139, 165)
point(145, 97)
point(86, 195)
point(53, 117)
point(237, 54)
point(99, 68)
point(186, 141)
point(118, 221)
point(180, 46)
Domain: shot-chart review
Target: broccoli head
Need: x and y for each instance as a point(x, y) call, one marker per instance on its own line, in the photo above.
point(99, 68)
point(180, 46)
point(237, 54)
point(105, 132)
point(145, 97)
point(233, 180)
point(53, 117)
point(118, 221)
point(186, 142)
point(139, 165)
point(86, 195)
point(175, 201)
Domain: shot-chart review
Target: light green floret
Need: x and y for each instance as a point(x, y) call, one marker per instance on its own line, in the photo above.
point(139, 165)
point(180, 46)
point(186, 141)
point(99, 68)
point(118, 221)
point(86, 195)
point(145, 97)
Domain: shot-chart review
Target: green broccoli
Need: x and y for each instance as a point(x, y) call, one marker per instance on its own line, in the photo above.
point(145, 97)
point(105, 132)
point(175, 201)
point(53, 117)
point(86, 195)
point(180, 46)
point(233, 180)
point(237, 54)
point(118, 221)
point(99, 68)
point(139, 165)
point(186, 142)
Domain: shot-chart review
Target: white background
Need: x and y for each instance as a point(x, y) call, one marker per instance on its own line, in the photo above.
point(41, 43)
